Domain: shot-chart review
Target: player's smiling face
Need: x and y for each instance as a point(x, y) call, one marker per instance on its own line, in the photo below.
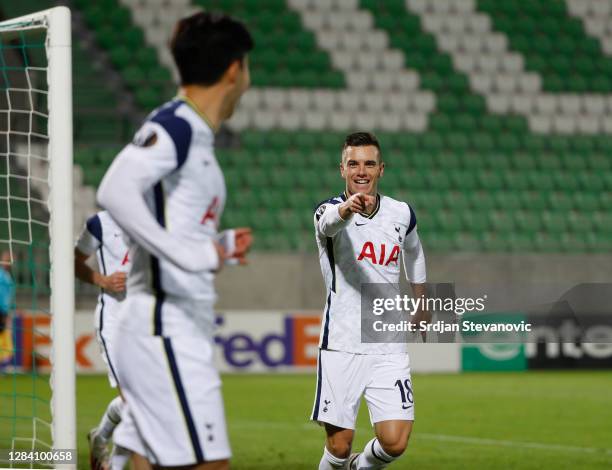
point(361, 168)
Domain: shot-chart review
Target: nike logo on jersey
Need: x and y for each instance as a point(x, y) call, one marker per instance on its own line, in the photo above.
point(359, 225)
point(406, 407)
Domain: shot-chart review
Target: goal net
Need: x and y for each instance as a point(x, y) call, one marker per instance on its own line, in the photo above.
point(37, 384)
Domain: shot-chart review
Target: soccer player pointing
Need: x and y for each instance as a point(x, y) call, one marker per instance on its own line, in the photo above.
point(361, 236)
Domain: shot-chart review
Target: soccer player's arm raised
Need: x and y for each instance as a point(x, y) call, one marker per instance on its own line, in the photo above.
point(86, 245)
point(415, 269)
point(122, 192)
point(330, 219)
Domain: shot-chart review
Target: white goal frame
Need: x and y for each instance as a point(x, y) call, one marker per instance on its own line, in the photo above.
point(57, 22)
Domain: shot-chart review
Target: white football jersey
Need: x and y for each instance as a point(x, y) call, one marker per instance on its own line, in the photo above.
point(362, 249)
point(101, 235)
point(167, 191)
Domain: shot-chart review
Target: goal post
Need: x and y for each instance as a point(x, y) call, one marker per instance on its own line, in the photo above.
point(39, 168)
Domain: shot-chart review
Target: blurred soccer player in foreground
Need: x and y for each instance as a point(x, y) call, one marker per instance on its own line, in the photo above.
point(361, 235)
point(102, 236)
point(167, 192)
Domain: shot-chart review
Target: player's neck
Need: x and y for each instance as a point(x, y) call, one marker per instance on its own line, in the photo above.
point(206, 101)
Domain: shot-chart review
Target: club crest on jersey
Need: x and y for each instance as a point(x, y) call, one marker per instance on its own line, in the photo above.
point(320, 211)
point(369, 251)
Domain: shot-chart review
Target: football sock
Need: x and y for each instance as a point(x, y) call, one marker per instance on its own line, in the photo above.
point(330, 461)
point(373, 457)
point(120, 457)
point(111, 418)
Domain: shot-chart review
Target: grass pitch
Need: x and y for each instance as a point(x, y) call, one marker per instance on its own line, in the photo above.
point(528, 420)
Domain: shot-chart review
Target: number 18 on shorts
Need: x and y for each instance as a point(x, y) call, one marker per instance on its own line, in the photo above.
point(343, 378)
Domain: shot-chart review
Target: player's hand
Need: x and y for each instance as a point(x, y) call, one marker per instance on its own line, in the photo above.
point(221, 254)
point(115, 282)
point(357, 203)
point(243, 241)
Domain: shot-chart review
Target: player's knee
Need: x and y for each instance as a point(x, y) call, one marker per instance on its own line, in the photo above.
point(394, 449)
point(394, 445)
point(340, 448)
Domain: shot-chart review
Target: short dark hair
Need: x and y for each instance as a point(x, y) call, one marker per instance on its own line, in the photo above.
point(362, 139)
point(205, 44)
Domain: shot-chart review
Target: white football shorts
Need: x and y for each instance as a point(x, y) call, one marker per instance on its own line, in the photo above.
point(174, 413)
point(343, 378)
point(105, 327)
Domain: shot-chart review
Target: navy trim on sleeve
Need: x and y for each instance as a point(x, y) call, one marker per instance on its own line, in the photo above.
point(177, 128)
point(94, 226)
point(413, 221)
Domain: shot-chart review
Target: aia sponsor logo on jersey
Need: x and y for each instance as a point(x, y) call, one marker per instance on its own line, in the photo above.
point(379, 256)
point(211, 212)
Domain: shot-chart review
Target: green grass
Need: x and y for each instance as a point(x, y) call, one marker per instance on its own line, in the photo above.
point(532, 420)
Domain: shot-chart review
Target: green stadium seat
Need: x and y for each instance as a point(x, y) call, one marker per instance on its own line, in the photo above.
point(559, 201)
point(523, 161)
point(605, 200)
point(580, 223)
point(501, 221)
point(533, 200)
point(539, 181)
point(437, 180)
point(474, 221)
point(422, 161)
point(585, 202)
point(490, 180)
point(440, 242)
point(482, 142)
point(495, 242)
point(555, 222)
point(481, 200)
point(456, 200)
point(591, 181)
point(515, 180)
point(598, 242)
point(447, 161)
point(519, 242)
point(598, 162)
point(507, 200)
point(573, 162)
point(549, 161)
point(466, 242)
point(548, 243)
point(574, 243)
point(528, 221)
point(565, 181)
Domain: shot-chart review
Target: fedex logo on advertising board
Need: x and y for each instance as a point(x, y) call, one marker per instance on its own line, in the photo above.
point(263, 341)
point(245, 341)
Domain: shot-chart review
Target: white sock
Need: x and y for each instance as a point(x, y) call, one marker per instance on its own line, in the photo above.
point(373, 457)
point(111, 418)
point(120, 457)
point(330, 461)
